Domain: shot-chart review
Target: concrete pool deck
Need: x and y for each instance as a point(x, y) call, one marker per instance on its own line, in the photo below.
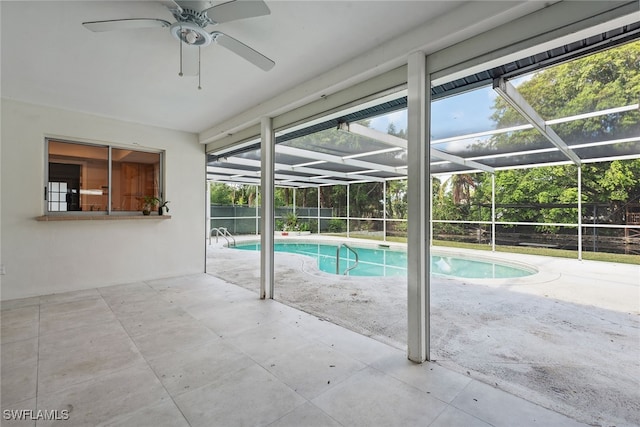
point(567, 338)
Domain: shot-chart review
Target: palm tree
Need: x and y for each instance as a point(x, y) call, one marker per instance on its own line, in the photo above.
point(461, 185)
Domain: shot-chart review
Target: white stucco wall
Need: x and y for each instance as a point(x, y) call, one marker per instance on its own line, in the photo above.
point(49, 257)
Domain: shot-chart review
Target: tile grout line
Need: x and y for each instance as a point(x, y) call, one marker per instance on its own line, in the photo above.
point(388, 374)
point(89, 379)
point(142, 355)
point(259, 364)
point(451, 405)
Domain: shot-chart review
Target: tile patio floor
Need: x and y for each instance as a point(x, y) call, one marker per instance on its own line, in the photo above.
point(198, 351)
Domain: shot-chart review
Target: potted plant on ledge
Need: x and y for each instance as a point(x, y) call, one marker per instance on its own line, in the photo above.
point(162, 205)
point(150, 202)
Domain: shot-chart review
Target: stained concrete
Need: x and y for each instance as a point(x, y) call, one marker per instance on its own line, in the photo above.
point(567, 338)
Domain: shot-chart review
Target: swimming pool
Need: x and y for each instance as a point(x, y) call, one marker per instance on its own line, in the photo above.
point(387, 262)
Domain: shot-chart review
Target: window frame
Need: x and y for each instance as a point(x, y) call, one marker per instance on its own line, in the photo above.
point(109, 146)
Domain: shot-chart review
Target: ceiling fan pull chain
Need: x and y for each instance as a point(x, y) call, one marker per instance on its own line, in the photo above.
point(199, 74)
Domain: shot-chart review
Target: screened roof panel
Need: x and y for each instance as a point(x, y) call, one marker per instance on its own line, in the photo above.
point(288, 159)
point(541, 60)
point(609, 151)
point(468, 113)
point(551, 155)
point(579, 82)
point(395, 159)
point(383, 174)
point(439, 167)
point(335, 142)
point(492, 145)
point(252, 155)
point(540, 158)
point(338, 167)
point(294, 173)
point(227, 165)
point(620, 125)
point(476, 125)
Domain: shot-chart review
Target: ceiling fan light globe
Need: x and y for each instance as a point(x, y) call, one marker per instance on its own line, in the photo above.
point(191, 37)
point(191, 34)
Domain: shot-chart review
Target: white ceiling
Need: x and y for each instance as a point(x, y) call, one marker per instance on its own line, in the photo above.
point(49, 58)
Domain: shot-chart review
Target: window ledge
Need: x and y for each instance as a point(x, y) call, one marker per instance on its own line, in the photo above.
point(99, 217)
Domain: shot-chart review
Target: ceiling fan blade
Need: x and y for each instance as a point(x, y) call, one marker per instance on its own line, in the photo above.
point(171, 5)
point(237, 9)
point(241, 49)
point(125, 24)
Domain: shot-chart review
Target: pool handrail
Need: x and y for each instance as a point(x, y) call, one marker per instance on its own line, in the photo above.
point(222, 231)
point(338, 259)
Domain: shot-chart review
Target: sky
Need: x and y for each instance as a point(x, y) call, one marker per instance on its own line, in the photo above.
point(466, 113)
point(458, 115)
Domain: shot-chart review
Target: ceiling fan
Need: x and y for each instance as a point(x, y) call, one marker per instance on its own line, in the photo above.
point(192, 19)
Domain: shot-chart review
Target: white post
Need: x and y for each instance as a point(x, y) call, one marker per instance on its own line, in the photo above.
point(384, 211)
point(208, 212)
point(348, 186)
point(579, 212)
point(267, 150)
point(430, 210)
point(493, 212)
point(318, 212)
point(418, 244)
point(257, 210)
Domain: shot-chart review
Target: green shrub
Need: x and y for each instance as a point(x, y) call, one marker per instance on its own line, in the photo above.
point(303, 226)
point(336, 225)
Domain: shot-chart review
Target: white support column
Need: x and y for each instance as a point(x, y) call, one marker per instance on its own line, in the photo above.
point(257, 210)
point(431, 209)
point(419, 212)
point(384, 211)
point(318, 212)
point(207, 214)
point(579, 212)
point(493, 212)
point(267, 151)
point(294, 200)
point(348, 186)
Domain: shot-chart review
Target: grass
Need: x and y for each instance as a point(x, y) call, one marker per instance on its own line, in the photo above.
point(559, 253)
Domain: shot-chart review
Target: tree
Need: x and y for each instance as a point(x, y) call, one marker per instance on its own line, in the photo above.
point(604, 80)
point(397, 203)
point(391, 130)
point(607, 79)
point(221, 194)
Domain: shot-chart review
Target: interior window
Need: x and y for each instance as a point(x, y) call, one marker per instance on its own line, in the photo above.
point(135, 174)
point(78, 178)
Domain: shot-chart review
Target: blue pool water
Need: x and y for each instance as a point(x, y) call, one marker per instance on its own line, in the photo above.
point(387, 262)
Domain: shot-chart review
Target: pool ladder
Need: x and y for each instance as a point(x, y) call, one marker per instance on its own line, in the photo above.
point(222, 231)
point(338, 259)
